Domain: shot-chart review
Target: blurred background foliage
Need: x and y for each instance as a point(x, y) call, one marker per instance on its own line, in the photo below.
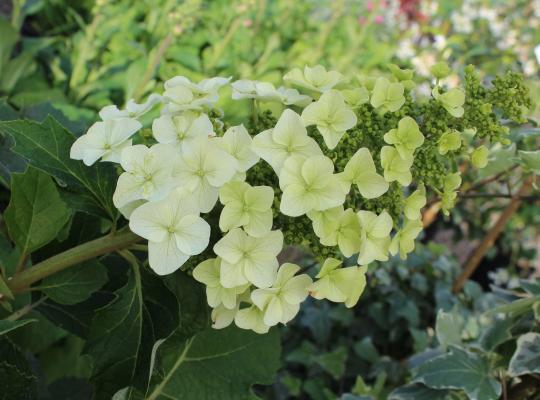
point(70, 58)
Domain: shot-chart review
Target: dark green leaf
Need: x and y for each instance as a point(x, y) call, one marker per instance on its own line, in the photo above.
point(7, 326)
point(497, 333)
point(75, 284)
point(417, 391)
point(215, 364)
point(366, 350)
point(194, 314)
point(47, 146)
point(70, 389)
point(333, 362)
point(35, 213)
point(37, 336)
point(460, 369)
point(9, 161)
point(122, 333)
point(16, 378)
point(531, 286)
point(526, 359)
point(448, 328)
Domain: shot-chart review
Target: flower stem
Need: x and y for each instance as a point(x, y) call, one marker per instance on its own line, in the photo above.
point(152, 66)
point(76, 255)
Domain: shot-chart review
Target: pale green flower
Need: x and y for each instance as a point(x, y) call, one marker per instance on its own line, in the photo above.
point(354, 98)
point(404, 76)
point(105, 140)
point(181, 94)
point(222, 317)
point(289, 137)
point(208, 272)
point(265, 91)
point(315, 79)
point(281, 302)
point(415, 202)
point(309, 184)
point(440, 70)
point(406, 138)
point(251, 318)
point(401, 74)
point(340, 285)
point(375, 236)
point(182, 129)
point(133, 110)
point(449, 141)
point(396, 168)
point(245, 259)
point(346, 233)
point(174, 231)
point(202, 169)
point(479, 157)
point(367, 81)
point(403, 240)
point(238, 143)
point(451, 183)
point(388, 96)
point(325, 221)
point(452, 100)
point(148, 174)
point(360, 171)
point(331, 116)
point(246, 206)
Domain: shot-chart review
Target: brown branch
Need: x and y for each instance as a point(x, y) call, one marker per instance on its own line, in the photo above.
point(479, 253)
point(434, 205)
point(496, 196)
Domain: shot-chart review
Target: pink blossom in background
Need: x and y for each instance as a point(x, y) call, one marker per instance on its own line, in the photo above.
point(379, 19)
point(247, 23)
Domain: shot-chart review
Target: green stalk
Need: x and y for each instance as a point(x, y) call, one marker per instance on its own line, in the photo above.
point(76, 255)
point(152, 66)
point(218, 51)
point(78, 74)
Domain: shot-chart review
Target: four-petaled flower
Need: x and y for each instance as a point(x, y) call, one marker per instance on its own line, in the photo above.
point(452, 100)
point(182, 129)
point(208, 272)
point(360, 171)
point(288, 138)
point(281, 301)
point(247, 206)
point(339, 284)
point(396, 168)
point(174, 230)
point(105, 140)
point(147, 176)
point(245, 259)
point(202, 169)
point(375, 236)
point(316, 79)
point(406, 137)
point(387, 96)
point(309, 184)
point(331, 116)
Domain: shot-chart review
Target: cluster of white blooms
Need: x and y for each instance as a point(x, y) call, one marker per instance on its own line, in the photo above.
point(168, 189)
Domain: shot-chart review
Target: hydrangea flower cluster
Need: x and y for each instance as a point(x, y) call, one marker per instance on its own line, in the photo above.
point(344, 167)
